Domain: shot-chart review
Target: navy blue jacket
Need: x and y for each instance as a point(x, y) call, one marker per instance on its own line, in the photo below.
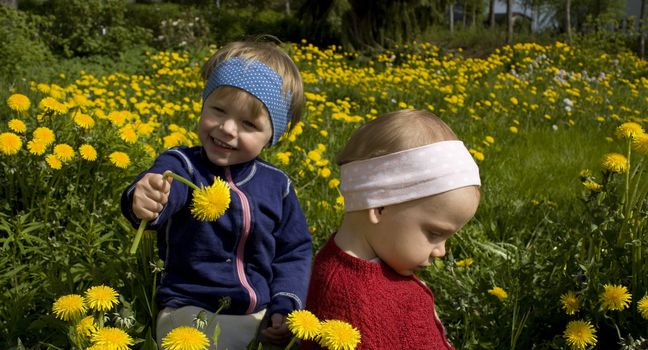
point(258, 253)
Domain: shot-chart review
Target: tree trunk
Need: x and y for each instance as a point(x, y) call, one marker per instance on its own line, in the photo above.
point(287, 7)
point(491, 14)
point(568, 20)
point(509, 21)
point(452, 17)
point(464, 16)
point(642, 30)
point(474, 16)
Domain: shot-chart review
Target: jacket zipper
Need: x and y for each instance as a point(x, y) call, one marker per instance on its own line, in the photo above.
point(240, 249)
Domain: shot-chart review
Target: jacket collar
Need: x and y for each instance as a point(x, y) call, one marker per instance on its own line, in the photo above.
point(239, 172)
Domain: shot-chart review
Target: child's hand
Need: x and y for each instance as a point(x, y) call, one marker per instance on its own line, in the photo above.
point(278, 332)
point(150, 196)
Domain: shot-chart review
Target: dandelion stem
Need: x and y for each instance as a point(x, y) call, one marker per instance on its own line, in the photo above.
point(626, 200)
point(292, 342)
point(138, 236)
point(168, 174)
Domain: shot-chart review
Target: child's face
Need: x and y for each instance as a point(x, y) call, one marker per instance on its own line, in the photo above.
point(410, 235)
point(230, 132)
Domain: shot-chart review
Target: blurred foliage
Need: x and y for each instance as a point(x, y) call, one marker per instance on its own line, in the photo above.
point(23, 45)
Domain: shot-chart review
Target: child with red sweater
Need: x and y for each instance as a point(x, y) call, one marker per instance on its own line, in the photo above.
point(409, 184)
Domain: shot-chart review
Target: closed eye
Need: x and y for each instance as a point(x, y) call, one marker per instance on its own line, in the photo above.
point(250, 124)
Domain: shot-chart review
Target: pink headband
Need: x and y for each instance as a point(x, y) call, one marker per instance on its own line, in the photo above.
point(407, 175)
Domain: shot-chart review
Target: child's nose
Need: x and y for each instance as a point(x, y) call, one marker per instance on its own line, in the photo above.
point(438, 251)
point(228, 126)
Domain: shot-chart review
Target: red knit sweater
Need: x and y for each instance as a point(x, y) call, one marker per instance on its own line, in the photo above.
point(391, 311)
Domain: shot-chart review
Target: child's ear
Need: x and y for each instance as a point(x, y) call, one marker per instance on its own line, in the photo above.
point(375, 214)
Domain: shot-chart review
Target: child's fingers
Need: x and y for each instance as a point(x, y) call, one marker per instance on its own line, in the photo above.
point(146, 209)
point(159, 183)
point(277, 332)
point(277, 320)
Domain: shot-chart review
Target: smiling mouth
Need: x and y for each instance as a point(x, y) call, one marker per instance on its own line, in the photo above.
point(222, 144)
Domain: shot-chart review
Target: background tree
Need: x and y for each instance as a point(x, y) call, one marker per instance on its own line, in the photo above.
point(364, 24)
point(642, 30)
point(568, 21)
point(491, 14)
point(451, 21)
point(509, 21)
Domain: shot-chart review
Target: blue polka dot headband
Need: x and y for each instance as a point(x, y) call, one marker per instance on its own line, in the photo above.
point(259, 80)
point(407, 175)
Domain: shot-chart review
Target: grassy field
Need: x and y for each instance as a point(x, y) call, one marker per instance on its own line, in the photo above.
point(555, 257)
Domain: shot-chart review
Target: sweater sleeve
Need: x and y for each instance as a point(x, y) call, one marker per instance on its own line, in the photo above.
point(178, 163)
point(292, 263)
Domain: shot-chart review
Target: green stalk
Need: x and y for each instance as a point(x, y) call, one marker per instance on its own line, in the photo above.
point(627, 179)
point(292, 342)
point(138, 236)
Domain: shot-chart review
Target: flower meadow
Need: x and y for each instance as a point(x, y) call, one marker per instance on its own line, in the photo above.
point(556, 257)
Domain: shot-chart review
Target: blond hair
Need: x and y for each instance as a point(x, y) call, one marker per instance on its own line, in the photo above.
point(272, 56)
point(393, 132)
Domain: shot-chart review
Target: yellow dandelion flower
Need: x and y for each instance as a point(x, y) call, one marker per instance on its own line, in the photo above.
point(149, 150)
point(479, 156)
point(101, 298)
point(10, 143)
point(580, 334)
point(63, 152)
point(465, 262)
point(210, 202)
point(185, 338)
point(284, 157)
point(44, 135)
point(86, 327)
point(303, 324)
point(570, 302)
point(326, 172)
point(17, 126)
point(640, 144)
point(112, 338)
point(514, 100)
point(628, 130)
point(88, 152)
point(615, 297)
point(338, 335)
point(333, 183)
point(592, 185)
point(128, 134)
point(120, 159)
point(642, 307)
point(69, 307)
point(499, 293)
point(513, 130)
point(615, 162)
point(84, 121)
point(50, 104)
point(18, 103)
point(118, 117)
point(53, 162)
point(36, 147)
point(43, 88)
point(314, 155)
